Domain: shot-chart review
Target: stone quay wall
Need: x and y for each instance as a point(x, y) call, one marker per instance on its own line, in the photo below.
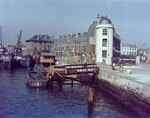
point(130, 92)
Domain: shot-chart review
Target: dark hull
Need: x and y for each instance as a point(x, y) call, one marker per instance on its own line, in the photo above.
point(37, 84)
point(5, 64)
point(35, 80)
point(18, 64)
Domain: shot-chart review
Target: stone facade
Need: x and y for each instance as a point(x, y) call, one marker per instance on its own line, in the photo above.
point(39, 43)
point(91, 37)
point(74, 46)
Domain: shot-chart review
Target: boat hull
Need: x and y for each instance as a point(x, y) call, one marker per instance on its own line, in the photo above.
point(35, 80)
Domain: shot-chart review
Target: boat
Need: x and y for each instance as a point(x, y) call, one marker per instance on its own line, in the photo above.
point(18, 59)
point(35, 79)
point(5, 61)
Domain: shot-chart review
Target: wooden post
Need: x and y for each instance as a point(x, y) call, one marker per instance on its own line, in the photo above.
point(91, 95)
point(71, 82)
point(96, 76)
point(50, 82)
point(91, 101)
point(60, 83)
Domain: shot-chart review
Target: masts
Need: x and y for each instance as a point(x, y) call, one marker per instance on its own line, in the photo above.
point(19, 39)
point(1, 36)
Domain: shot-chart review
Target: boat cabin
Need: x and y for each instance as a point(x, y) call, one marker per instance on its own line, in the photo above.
point(47, 59)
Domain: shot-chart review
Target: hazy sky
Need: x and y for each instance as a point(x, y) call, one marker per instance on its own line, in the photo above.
point(131, 18)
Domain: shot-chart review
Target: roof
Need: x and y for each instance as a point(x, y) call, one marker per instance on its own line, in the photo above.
point(91, 30)
point(116, 36)
point(46, 54)
point(128, 45)
point(40, 38)
point(105, 20)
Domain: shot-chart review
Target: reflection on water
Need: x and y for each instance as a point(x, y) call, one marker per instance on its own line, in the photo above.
point(19, 100)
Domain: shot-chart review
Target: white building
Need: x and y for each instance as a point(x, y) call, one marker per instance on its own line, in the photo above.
point(107, 41)
point(128, 49)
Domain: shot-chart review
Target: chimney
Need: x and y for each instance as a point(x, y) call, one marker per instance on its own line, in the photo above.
point(97, 16)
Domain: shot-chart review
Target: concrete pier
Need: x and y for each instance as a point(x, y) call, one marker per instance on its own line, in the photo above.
point(132, 89)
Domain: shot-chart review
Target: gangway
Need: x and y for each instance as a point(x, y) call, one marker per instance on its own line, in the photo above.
point(76, 72)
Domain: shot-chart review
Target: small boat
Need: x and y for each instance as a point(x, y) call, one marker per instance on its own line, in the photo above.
point(5, 61)
point(35, 79)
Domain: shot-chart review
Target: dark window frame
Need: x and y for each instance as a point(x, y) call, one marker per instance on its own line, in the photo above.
point(104, 53)
point(104, 42)
point(104, 32)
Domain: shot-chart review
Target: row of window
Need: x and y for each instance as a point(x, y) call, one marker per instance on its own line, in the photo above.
point(126, 53)
point(128, 48)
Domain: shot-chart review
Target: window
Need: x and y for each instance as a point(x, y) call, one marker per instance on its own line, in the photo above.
point(104, 42)
point(104, 31)
point(104, 53)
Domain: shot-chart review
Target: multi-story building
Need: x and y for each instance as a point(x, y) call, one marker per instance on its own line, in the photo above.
point(128, 49)
point(144, 54)
point(148, 56)
point(107, 41)
point(91, 36)
point(68, 46)
point(39, 43)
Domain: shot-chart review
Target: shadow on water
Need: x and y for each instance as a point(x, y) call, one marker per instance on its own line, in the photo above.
point(107, 106)
point(90, 109)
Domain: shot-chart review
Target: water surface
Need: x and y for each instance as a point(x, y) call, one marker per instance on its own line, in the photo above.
point(17, 100)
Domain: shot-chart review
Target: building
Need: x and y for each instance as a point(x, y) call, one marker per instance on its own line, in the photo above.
point(128, 50)
point(144, 54)
point(148, 56)
point(71, 46)
point(39, 43)
point(91, 37)
point(107, 41)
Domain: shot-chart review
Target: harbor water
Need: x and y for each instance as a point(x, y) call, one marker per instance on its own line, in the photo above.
point(17, 100)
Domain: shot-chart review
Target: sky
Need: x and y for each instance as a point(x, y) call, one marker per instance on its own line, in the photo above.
point(131, 18)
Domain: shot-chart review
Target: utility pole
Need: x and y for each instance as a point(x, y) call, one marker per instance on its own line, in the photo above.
point(1, 35)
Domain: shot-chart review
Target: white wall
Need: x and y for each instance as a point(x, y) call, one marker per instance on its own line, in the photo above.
point(99, 47)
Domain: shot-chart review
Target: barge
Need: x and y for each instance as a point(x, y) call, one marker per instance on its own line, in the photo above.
point(35, 79)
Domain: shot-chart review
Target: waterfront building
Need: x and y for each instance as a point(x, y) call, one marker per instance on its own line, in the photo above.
point(39, 43)
point(107, 41)
point(144, 54)
point(91, 36)
point(148, 56)
point(128, 49)
point(68, 46)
